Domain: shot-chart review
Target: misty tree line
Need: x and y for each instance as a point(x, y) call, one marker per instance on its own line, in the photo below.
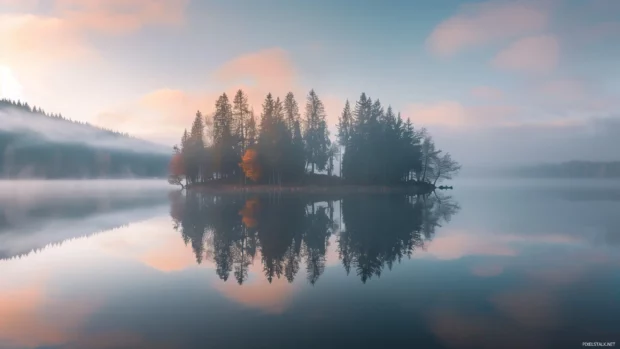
point(292, 232)
point(24, 153)
point(375, 145)
point(379, 147)
point(25, 107)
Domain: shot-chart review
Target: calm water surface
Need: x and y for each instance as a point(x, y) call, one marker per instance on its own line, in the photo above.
point(136, 265)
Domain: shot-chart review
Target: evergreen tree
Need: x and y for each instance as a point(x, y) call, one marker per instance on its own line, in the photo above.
point(316, 133)
point(195, 146)
point(298, 160)
point(375, 146)
point(267, 138)
point(291, 111)
point(251, 132)
point(241, 114)
point(345, 125)
point(225, 145)
point(197, 131)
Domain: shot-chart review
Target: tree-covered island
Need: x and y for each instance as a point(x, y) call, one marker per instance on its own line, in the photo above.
point(376, 149)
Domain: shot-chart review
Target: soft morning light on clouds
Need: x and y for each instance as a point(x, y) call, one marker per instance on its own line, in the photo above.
point(467, 70)
point(10, 88)
point(482, 23)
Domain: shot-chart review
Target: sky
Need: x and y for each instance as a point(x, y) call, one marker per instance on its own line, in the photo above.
point(495, 82)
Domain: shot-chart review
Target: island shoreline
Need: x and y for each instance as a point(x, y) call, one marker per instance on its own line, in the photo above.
point(412, 189)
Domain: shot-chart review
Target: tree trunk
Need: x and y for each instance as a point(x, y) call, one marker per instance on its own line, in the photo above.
point(340, 160)
point(436, 178)
point(425, 167)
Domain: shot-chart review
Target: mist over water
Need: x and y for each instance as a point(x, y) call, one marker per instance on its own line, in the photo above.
point(35, 214)
point(142, 265)
point(41, 129)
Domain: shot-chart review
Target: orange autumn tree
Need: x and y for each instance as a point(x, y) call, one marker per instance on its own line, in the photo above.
point(249, 212)
point(177, 170)
point(250, 165)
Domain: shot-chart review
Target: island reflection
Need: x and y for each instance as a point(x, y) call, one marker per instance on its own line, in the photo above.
point(293, 231)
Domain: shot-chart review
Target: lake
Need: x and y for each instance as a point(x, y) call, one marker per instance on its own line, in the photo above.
point(137, 264)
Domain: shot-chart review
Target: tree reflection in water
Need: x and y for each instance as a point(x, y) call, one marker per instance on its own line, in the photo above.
point(292, 231)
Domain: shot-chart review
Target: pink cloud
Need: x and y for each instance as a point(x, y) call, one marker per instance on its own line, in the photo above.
point(270, 69)
point(258, 293)
point(160, 115)
point(485, 23)
point(171, 256)
point(455, 114)
point(535, 54)
point(57, 35)
point(32, 317)
point(448, 113)
point(257, 74)
point(487, 92)
point(48, 44)
point(29, 317)
point(165, 251)
point(22, 5)
point(120, 16)
point(168, 101)
point(30, 41)
point(457, 245)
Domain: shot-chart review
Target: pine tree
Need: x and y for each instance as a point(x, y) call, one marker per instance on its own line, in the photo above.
point(241, 113)
point(278, 111)
point(267, 116)
point(298, 154)
point(316, 133)
point(291, 111)
point(195, 146)
point(267, 137)
point(184, 141)
point(197, 131)
point(252, 133)
point(225, 146)
point(379, 147)
point(345, 127)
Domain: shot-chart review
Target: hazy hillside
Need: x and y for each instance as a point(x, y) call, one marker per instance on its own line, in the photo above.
point(35, 144)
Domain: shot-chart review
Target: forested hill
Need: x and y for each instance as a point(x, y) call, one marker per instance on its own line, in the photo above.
point(36, 144)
